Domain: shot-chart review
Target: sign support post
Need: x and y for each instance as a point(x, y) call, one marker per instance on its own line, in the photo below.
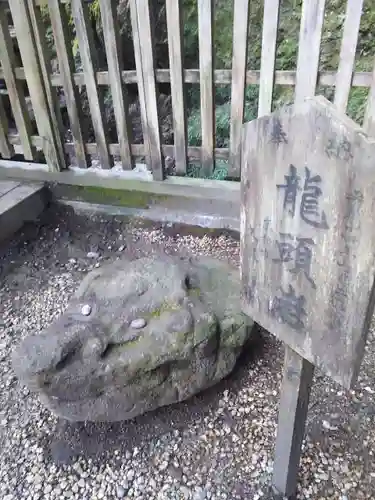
point(295, 394)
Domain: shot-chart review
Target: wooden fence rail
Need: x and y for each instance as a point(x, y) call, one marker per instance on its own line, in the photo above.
point(47, 133)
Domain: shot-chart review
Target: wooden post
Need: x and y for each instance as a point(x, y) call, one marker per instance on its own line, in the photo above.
point(369, 119)
point(309, 48)
point(90, 66)
point(239, 61)
point(59, 23)
point(205, 14)
point(44, 59)
point(175, 38)
point(15, 90)
point(144, 62)
point(35, 82)
point(294, 402)
point(268, 61)
point(344, 73)
point(115, 66)
point(6, 149)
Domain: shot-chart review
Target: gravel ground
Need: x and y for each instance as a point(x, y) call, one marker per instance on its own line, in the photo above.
point(215, 446)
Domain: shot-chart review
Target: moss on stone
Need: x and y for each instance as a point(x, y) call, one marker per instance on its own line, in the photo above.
point(107, 196)
point(195, 291)
point(165, 307)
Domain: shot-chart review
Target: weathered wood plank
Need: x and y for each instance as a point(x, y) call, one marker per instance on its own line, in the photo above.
point(206, 84)
point(347, 53)
point(108, 11)
point(221, 76)
point(15, 91)
point(369, 119)
point(42, 2)
point(309, 48)
point(144, 60)
point(136, 149)
point(90, 66)
point(34, 77)
point(307, 260)
point(294, 402)
point(239, 62)
point(6, 149)
point(60, 30)
point(175, 37)
point(268, 59)
point(45, 58)
point(124, 179)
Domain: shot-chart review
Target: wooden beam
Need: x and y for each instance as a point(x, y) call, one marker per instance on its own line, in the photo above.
point(60, 30)
point(347, 53)
point(175, 37)
point(206, 84)
point(90, 66)
point(144, 60)
point(44, 59)
point(15, 90)
point(6, 149)
point(309, 48)
point(108, 11)
point(369, 119)
point(137, 150)
point(239, 62)
point(221, 77)
point(206, 189)
point(30, 57)
point(268, 59)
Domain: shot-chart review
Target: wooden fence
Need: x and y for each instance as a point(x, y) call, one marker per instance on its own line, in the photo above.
point(42, 83)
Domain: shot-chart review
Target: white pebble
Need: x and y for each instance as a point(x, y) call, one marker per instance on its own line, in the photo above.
point(81, 483)
point(130, 475)
point(138, 323)
point(86, 310)
point(93, 255)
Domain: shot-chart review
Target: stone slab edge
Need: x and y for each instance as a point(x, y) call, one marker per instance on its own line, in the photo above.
point(160, 214)
point(22, 204)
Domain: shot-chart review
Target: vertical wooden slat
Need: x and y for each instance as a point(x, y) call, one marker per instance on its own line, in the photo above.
point(62, 39)
point(267, 68)
point(309, 48)
point(115, 66)
point(90, 66)
point(347, 54)
point(239, 62)
point(15, 91)
point(144, 60)
point(175, 33)
point(34, 78)
point(6, 149)
point(369, 119)
point(45, 58)
point(206, 84)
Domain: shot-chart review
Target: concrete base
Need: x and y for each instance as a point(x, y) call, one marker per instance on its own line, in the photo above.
point(19, 203)
point(184, 215)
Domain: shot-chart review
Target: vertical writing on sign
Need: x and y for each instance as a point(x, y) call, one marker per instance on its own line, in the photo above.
point(301, 194)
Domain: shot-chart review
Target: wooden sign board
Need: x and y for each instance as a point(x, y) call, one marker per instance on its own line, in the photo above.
point(308, 233)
